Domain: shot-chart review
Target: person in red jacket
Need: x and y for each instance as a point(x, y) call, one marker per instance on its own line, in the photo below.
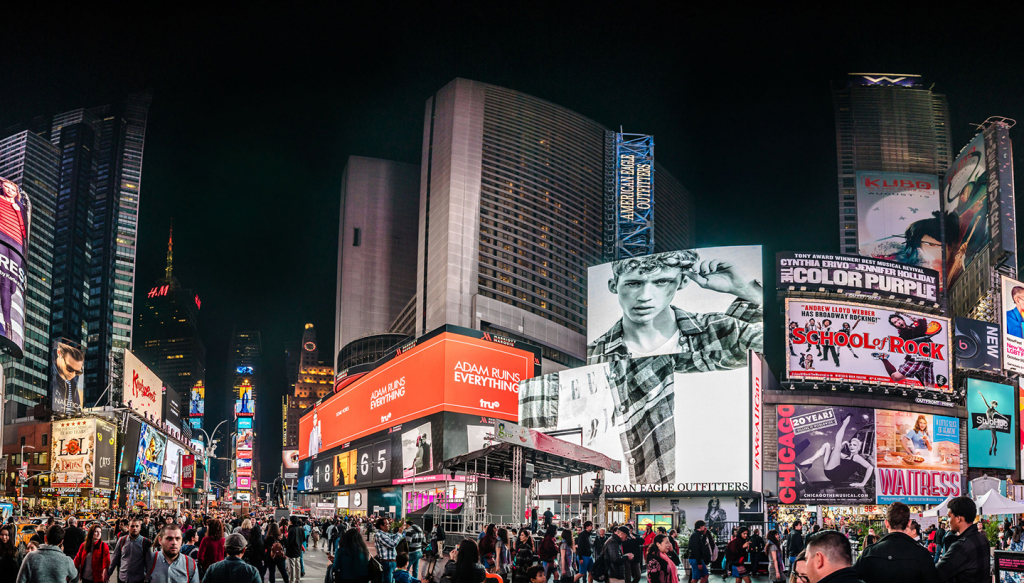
point(211, 550)
point(93, 558)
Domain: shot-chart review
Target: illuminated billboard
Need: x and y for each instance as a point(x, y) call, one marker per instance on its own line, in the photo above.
point(967, 206)
point(66, 384)
point(290, 463)
point(197, 400)
point(991, 425)
point(244, 439)
point(15, 219)
point(660, 404)
point(868, 344)
point(172, 462)
point(977, 345)
point(72, 450)
point(142, 389)
point(897, 218)
point(244, 408)
point(243, 482)
point(918, 457)
point(150, 457)
point(634, 195)
point(695, 302)
point(106, 452)
point(446, 372)
point(1012, 296)
point(853, 275)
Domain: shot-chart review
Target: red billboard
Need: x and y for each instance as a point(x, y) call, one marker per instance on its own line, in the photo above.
point(188, 471)
point(448, 372)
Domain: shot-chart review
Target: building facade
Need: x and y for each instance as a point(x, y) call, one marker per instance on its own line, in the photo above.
point(32, 162)
point(313, 381)
point(245, 356)
point(376, 247)
point(885, 123)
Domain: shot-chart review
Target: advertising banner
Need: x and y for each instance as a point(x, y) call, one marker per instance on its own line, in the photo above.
point(243, 441)
point(172, 408)
point(244, 391)
point(73, 448)
point(15, 215)
point(977, 345)
point(850, 274)
point(918, 457)
point(826, 454)
point(106, 450)
point(290, 463)
point(661, 403)
point(244, 408)
point(172, 461)
point(143, 390)
point(992, 424)
point(66, 385)
point(197, 400)
point(130, 446)
point(757, 368)
point(966, 203)
point(1012, 294)
point(150, 457)
point(1002, 214)
point(417, 456)
point(896, 211)
point(244, 423)
point(188, 471)
point(243, 483)
point(691, 302)
point(448, 372)
point(868, 344)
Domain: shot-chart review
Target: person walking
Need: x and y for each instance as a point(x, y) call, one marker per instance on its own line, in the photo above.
point(795, 542)
point(897, 557)
point(616, 562)
point(660, 566)
point(633, 545)
point(211, 550)
point(967, 559)
point(385, 543)
point(351, 563)
point(293, 550)
point(415, 537)
point(736, 553)
point(533, 519)
point(940, 536)
point(132, 555)
point(169, 565)
point(49, 564)
point(73, 538)
point(11, 554)
point(776, 571)
point(585, 548)
point(93, 557)
point(566, 564)
point(700, 552)
point(254, 553)
point(275, 558)
point(233, 569)
point(547, 551)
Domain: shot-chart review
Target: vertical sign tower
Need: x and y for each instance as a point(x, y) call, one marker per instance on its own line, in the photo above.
point(634, 195)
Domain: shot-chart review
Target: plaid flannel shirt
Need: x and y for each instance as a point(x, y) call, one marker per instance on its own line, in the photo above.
point(385, 543)
point(922, 370)
point(709, 342)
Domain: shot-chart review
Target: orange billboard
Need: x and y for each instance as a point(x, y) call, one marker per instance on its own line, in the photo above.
point(448, 372)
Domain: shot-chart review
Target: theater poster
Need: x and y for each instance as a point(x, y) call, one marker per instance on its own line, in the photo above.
point(918, 457)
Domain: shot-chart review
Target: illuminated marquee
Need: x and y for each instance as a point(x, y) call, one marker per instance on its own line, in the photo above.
point(158, 292)
point(634, 194)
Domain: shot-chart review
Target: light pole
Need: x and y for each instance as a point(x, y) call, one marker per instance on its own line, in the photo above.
point(207, 454)
point(22, 481)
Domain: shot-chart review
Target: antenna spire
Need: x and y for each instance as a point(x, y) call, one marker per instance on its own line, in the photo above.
point(170, 251)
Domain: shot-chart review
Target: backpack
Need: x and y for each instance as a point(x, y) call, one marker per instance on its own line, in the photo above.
point(277, 551)
point(190, 567)
point(599, 570)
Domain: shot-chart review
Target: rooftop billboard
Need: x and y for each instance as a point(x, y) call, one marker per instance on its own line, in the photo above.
point(142, 389)
point(1012, 296)
point(991, 425)
point(854, 275)
point(897, 218)
point(15, 220)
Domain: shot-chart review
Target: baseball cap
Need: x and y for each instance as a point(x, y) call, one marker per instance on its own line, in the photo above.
point(235, 542)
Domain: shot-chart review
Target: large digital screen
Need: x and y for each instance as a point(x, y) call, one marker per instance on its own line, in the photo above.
point(290, 463)
point(853, 275)
point(868, 344)
point(448, 372)
point(977, 345)
point(966, 203)
point(197, 400)
point(705, 304)
point(106, 451)
point(66, 386)
point(918, 457)
point(150, 457)
point(991, 427)
point(897, 218)
point(172, 462)
point(1012, 296)
point(15, 219)
point(73, 450)
point(143, 390)
point(245, 408)
point(660, 404)
point(244, 439)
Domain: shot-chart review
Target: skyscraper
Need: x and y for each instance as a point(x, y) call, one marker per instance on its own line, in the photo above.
point(885, 123)
point(511, 215)
point(32, 162)
point(167, 331)
point(376, 248)
point(313, 381)
point(245, 355)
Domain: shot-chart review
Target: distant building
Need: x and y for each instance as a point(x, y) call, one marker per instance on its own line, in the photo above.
point(314, 381)
point(245, 369)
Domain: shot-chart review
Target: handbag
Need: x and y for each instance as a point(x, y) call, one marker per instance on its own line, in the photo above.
point(374, 570)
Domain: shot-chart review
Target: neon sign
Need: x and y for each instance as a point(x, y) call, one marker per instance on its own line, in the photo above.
point(158, 291)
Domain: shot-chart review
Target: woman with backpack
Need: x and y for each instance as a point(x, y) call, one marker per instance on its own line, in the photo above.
point(273, 546)
point(566, 564)
point(548, 550)
point(352, 563)
point(93, 558)
point(211, 550)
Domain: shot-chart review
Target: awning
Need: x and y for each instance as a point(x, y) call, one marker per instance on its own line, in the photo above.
point(992, 502)
point(546, 465)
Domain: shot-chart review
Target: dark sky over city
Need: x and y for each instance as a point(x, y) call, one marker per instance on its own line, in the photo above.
point(255, 113)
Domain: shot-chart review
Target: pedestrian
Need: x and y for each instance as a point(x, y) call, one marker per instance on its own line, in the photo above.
point(967, 558)
point(796, 542)
point(660, 566)
point(93, 557)
point(533, 519)
point(415, 537)
point(736, 553)
point(351, 563)
point(132, 555)
point(254, 553)
point(73, 538)
point(633, 546)
point(699, 549)
point(275, 557)
point(940, 536)
point(547, 551)
point(293, 550)
point(503, 551)
point(585, 548)
point(188, 545)
point(169, 565)
point(524, 541)
point(49, 564)
point(211, 550)
point(776, 571)
point(314, 533)
point(648, 538)
point(464, 564)
point(897, 557)
point(488, 555)
point(11, 554)
point(233, 569)
point(146, 529)
point(548, 517)
point(616, 562)
point(829, 558)
point(871, 538)
point(306, 529)
point(566, 564)
point(385, 543)
point(798, 572)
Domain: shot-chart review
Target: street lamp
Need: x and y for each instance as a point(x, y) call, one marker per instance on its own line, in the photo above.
point(20, 480)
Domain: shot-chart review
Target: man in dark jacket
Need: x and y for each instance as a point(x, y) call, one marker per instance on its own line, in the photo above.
point(293, 549)
point(233, 569)
point(967, 559)
point(616, 562)
point(829, 558)
point(940, 534)
point(73, 538)
point(584, 548)
point(700, 552)
point(796, 542)
point(633, 545)
point(897, 558)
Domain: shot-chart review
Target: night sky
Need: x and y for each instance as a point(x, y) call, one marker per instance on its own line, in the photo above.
point(255, 113)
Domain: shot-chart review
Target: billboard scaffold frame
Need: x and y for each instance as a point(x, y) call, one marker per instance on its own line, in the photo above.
point(634, 213)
